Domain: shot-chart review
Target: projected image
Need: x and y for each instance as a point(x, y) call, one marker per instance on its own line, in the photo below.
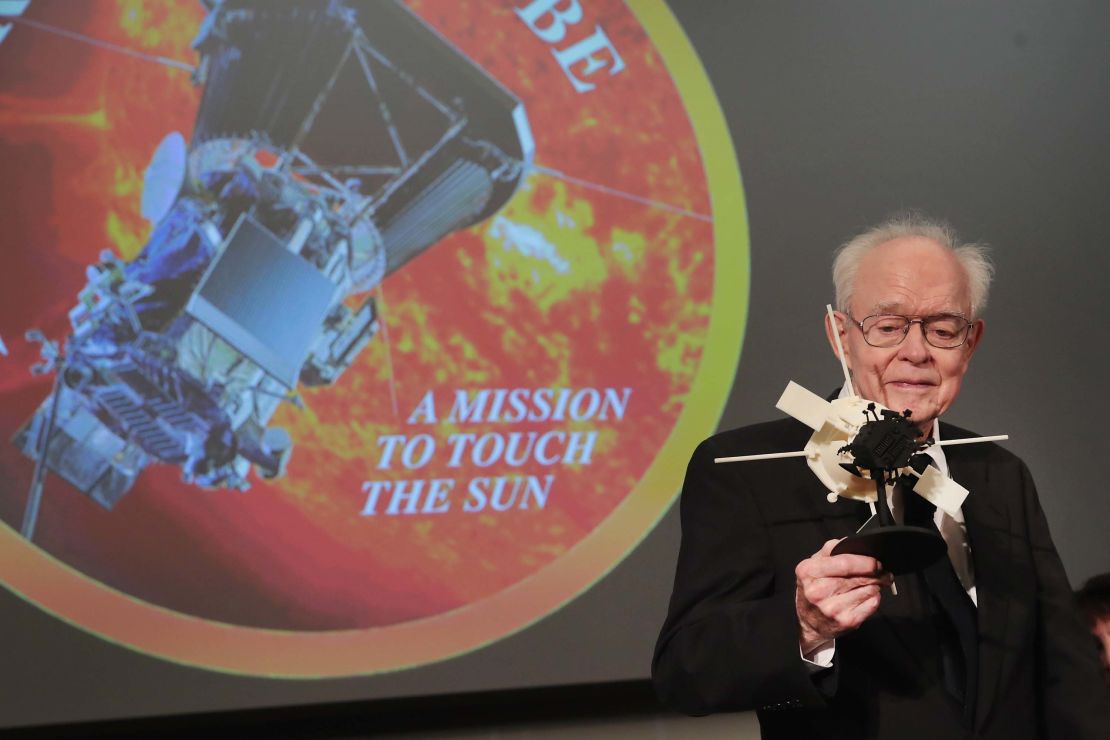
point(363, 330)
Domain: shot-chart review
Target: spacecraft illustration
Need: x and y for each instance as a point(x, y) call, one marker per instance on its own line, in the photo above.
point(334, 142)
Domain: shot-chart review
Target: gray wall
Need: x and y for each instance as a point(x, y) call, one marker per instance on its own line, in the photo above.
point(990, 114)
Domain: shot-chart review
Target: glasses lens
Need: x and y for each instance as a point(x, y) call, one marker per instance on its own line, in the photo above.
point(888, 330)
point(884, 331)
point(946, 331)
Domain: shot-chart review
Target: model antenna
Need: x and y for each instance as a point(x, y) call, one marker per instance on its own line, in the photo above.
point(840, 351)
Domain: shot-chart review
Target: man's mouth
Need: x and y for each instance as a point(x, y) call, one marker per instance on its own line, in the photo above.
point(911, 385)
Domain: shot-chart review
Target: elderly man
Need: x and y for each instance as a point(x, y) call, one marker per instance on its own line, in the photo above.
point(984, 644)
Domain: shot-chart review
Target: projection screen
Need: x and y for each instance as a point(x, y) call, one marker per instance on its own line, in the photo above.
point(355, 350)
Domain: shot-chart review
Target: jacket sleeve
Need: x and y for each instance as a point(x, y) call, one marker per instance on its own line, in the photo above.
point(730, 640)
point(1075, 702)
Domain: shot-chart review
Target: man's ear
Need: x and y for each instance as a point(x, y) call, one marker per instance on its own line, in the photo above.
point(840, 327)
point(975, 336)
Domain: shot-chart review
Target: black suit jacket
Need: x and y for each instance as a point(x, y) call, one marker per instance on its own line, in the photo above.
point(730, 640)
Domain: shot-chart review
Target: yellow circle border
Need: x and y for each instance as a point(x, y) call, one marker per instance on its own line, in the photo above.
point(63, 591)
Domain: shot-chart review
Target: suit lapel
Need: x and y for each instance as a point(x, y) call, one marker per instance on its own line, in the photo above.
point(988, 531)
point(838, 519)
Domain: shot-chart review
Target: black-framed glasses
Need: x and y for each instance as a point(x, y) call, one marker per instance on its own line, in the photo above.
point(943, 331)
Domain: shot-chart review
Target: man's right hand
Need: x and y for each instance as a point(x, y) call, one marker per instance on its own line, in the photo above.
point(835, 594)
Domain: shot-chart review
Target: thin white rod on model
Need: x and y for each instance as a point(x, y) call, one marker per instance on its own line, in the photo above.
point(973, 440)
point(767, 456)
point(840, 350)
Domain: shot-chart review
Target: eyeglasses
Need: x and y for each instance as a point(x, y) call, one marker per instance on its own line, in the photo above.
point(944, 331)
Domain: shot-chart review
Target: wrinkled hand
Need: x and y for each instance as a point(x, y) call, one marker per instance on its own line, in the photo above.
point(836, 594)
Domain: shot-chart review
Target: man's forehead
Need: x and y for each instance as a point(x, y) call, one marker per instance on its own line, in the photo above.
point(911, 276)
point(948, 305)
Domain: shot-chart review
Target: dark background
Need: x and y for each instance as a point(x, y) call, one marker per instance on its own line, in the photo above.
point(991, 114)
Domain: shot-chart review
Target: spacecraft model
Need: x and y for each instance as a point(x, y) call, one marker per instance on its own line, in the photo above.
point(334, 142)
point(858, 450)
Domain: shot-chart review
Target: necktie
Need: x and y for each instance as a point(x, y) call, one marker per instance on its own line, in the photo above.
point(957, 630)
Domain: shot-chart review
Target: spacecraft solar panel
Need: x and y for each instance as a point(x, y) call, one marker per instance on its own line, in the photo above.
point(263, 300)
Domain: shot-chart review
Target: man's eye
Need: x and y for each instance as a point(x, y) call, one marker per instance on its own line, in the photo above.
point(944, 329)
point(888, 328)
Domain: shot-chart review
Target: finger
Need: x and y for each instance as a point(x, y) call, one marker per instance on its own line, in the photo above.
point(862, 611)
point(848, 610)
point(843, 565)
point(844, 585)
point(826, 549)
point(840, 615)
point(818, 589)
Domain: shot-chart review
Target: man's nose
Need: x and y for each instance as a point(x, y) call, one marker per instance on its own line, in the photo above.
point(914, 347)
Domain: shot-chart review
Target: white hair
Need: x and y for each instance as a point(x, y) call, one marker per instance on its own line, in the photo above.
point(972, 257)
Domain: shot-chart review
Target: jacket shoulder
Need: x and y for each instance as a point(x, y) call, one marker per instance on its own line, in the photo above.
point(781, 435)
point(987, 452)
